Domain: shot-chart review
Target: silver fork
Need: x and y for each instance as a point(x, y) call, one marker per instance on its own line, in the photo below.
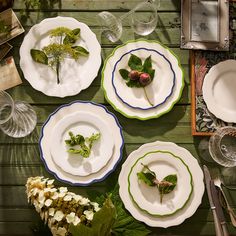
point(218, 183)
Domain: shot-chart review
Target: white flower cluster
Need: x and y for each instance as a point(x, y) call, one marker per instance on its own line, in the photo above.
point(57, 206)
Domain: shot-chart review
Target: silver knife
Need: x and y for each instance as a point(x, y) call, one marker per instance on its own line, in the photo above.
point(218, 228)
point(219, 211)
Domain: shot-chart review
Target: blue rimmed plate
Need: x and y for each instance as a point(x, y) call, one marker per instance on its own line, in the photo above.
point(143, 112)
point(57, 116)
point(159, 90)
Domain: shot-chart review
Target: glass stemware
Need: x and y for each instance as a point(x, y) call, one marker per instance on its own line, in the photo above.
point(222, 146)
point(142, 24)
point(17, 119)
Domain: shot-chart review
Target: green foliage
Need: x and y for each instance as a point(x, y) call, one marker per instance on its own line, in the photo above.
point(135, 77)
point(147, 65)
point(124, 74)
point(80, 50)
point(39, 56)
point(60, 31)
point(125, 224)
point(101, 224)
point(32, 3)
point(72, 36)
point(133, 84)
point(135, 63)
point(85, 144)
point(57, 52)
point(147, 178)
point(60, 51)
point(167, 185)
point(164, 186)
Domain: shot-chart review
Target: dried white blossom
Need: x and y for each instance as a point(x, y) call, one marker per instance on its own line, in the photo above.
point(67, 198)
point(58, 215)
point(51, 211)
point(55, 196)
point(96, 206)
point(58, 207)
point(76, 220)
point(84, 201)
point(88, 214)
point(63, 189)
point(70, 218)
point(48, 202)
point(77, 198)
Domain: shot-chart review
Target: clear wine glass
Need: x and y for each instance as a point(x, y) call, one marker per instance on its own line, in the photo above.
point(17, 119)
point(222, 146)
point(142, 23)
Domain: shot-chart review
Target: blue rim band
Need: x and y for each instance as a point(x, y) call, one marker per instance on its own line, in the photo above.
point(95, 180)
point(136, 107)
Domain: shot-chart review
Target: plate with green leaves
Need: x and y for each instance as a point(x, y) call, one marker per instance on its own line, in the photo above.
point(60, 56)
point(88, 107)
point(170, 176)
point(160, 183)
point(142, 79)
point(81, 143)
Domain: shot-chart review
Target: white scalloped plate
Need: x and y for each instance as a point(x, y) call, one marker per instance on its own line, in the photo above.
point(195, 198)
point(147, 198)
point(74, 75)
point(85, 124)
point(159, 90)
point(219, 90)
point(135, 112)
point(55, 117)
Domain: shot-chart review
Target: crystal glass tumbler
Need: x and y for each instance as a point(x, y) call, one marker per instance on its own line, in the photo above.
point(144, 18)
point(222, 146)
point(17, 119)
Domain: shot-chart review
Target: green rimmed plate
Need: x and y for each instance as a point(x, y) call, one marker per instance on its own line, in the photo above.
point(147, 198)
point(195, 198)
point(124, 106)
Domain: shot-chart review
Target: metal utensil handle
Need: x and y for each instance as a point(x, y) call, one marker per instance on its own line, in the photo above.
point(230, 210)
point(225, 230)
point(218, 228)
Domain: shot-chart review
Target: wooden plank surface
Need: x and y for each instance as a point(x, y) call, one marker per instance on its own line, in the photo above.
point(20, 158)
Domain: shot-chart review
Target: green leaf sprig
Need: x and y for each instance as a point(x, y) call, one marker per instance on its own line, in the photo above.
point(141, 74)
point(164, 186)
point(55, 53)
point(112, 219)
point(85, 144)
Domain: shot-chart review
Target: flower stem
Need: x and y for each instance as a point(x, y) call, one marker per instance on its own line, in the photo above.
point(57, 70)
point(145, 92)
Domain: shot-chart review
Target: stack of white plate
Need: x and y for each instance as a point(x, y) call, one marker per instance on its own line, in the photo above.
point(164, 91)
point(84, 118)
point(143, 202)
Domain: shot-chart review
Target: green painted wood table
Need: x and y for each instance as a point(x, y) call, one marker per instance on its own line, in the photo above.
point(20, 158)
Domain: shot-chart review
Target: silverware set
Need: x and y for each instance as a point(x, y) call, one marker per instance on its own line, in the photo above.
point(214, 190)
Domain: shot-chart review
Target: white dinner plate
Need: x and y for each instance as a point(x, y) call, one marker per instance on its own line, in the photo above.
point(74, 75)
point(146, 197)
point(195, 198)
point(135, 112)
point(219, 90)
point(55, 117)
point(85, 124)
point(159, 90)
